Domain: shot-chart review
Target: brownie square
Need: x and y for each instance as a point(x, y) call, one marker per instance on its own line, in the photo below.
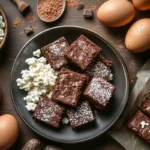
point(49, 112)
point(82, 52)
point(68, 87)
point(140, 124)
point(99, 92)
point(145, 107)
point(100, 68)
point(81, 116)
point(54, 52)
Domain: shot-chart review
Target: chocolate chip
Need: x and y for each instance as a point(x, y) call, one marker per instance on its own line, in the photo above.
point(80, 6)
point(28, 30)
point(88, 13)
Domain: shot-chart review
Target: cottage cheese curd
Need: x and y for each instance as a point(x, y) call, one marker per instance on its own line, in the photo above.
point(2, 28)
point(38, 80)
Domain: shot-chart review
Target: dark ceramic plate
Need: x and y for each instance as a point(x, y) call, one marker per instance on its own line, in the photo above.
point(104, 120)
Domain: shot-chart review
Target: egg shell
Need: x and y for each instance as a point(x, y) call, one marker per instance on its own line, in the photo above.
point(116, 13)
point(9, 131)
point(138, 36)
point(141, 4)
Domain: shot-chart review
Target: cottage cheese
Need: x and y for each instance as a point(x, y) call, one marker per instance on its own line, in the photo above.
point(38, 80)
point(2, 28)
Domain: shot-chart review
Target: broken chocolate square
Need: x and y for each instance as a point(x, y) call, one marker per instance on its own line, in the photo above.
point(28, 30)
point(88, 13)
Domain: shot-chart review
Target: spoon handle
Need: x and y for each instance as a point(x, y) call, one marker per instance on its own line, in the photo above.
point(21, 5)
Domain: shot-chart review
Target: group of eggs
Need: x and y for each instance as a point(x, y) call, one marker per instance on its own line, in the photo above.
point(117, 13)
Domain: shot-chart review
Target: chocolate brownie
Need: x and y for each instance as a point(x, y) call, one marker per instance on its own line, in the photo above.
point(82, 52)
point(54, 52)
point(140, 124)
point(99, 68)
point(49, 112)
point(68, 87)
point(145, 107)
point(81, 116)
point(99, 92)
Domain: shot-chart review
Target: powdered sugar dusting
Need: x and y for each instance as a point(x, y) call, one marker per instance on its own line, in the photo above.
point(100, 89)
point(82, 115)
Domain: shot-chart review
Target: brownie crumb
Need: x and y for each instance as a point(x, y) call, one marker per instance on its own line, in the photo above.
point(28, 30)
point(80, 6)
point(88, 13)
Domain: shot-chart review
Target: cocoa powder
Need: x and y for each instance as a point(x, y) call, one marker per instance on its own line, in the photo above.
point(17, 22)
point(49, 10)
point(72, 3)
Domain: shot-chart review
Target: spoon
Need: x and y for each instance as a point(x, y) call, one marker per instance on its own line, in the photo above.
point(50, 21)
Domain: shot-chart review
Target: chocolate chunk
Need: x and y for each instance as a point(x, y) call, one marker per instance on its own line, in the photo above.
point(81, 116)
point(80, 6)
point(82, 52)
point(88, 13)
point(140, 124)
point(49, 112)
point(68, 87)
point(99, 92)
point(28, 30)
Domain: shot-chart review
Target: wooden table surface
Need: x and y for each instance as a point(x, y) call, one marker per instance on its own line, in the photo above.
point(17, 39)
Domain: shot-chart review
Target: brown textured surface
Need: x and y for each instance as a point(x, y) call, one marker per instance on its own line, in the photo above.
point(99, 92)
point(71, 17)
point(54, 52)
point(49, 112)
point(145, 106)
point(82, 52)
point(135, 126)
point(68, 87)
point(81, 116)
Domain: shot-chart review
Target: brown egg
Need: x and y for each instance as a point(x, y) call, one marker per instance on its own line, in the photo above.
point(141, 4)
point(116, 13)
point(138, 36)
point(9, 131)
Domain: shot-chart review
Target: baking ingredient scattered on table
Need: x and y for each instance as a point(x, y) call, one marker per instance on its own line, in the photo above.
point(72, 3)
point(21, 5)
point(49, 10)
point(9, 131)
point(116, 13)
point(33, 144)
point(80, 6)
point(141, 4)
point(28, 30)
point(138, 36)
point(17, 22)
point(2, 28)
point(38, 80)
point(88, 13)
point(31, 18)
point(52, 148)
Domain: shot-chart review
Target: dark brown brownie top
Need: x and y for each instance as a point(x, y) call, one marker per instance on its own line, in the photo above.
point(49, 112)
point(82, 52)
point(145, 107)
point(54, 52)
point(99, 91)
point(80, 116)
point(99, 69)
point(68, 87)
point(140, 124)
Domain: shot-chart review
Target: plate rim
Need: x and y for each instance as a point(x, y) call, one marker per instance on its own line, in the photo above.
point(120, 111)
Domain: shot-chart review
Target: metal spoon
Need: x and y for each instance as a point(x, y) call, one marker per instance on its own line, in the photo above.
point(62, 11)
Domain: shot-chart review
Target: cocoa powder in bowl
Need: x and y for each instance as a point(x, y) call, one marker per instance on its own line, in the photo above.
point(49, 10)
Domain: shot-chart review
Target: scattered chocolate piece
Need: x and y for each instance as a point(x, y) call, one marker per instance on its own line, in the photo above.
point(88, 13)
point(80, 6)
point(33, 144)
point(28, 30)
point(52, 148)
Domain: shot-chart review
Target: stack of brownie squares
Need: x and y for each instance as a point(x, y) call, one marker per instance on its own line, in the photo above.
point(140, 121)
point(76, 92)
